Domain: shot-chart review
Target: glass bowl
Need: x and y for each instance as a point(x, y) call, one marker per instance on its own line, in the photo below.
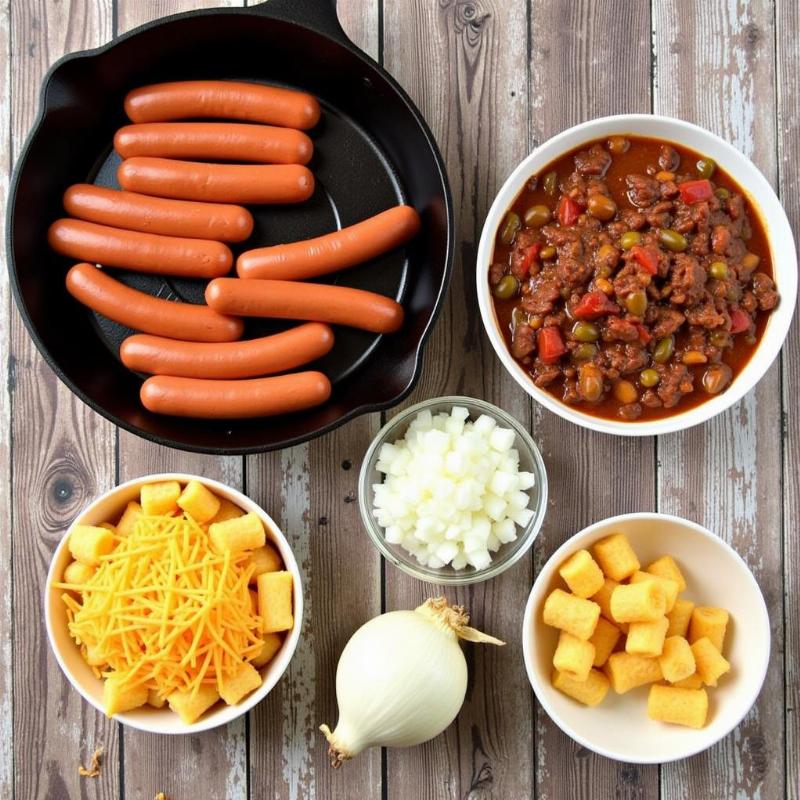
point(530, 460)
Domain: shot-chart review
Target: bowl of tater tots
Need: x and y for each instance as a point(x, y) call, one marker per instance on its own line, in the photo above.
point(646, 638)
point(173, 603)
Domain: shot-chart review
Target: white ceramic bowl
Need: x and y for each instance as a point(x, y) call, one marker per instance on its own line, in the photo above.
point(619, 727)
point(110, 506)
point(760, 194)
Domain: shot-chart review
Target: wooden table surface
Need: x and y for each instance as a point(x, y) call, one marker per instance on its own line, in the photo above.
point(494, 78)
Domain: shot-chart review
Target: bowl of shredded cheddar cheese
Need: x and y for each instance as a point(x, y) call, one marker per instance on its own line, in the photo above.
point(173, 603)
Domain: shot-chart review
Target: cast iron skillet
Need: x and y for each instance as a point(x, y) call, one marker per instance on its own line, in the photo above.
point(372, 150)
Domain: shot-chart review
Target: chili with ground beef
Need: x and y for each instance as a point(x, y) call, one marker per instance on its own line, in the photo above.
point(632, 278)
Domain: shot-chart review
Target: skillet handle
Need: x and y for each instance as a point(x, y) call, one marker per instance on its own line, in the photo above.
point(317, 14)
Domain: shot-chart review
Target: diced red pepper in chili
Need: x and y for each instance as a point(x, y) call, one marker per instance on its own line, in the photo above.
point(529, 257)
point(593, 305)
point(551, 344)
point(568, 211)
point(695, 191)
point(646, 257)
point(644, 334)
point(739, 320)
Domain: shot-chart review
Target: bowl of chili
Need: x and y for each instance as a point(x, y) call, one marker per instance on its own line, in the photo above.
point(636, 275)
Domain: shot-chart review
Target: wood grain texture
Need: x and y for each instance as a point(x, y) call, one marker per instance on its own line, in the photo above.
point(715, 66)
point(311, 492)
point(575, 76)
point(787, 21)
point(63, 456)
point(464, 65)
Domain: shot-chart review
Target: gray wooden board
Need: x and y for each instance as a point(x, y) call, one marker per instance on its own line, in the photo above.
point(493, 79)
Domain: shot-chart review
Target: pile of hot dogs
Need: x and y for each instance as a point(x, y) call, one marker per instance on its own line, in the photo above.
point(175, 214)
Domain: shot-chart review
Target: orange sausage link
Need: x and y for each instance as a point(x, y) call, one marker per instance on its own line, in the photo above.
point(334, 251)
point(265, 356)
point(143, 252)
point(134, 309)
point(258, 397)
point(253, 102)
point(310, 301)
point(218, 183)
point(218, 141)
point(139, 212)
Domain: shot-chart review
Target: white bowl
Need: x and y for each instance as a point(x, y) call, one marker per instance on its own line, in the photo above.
point(760, 194)
point(619, 727)
point(110, 506)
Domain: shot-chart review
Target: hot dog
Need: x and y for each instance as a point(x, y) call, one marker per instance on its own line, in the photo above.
point(265, 356)
point(144, 252)
point(218, 141)
point(310, 301)
point(258, 397)
point(139, 212)
point(218, 183)
point(100, 292)
point(253, 102)
point(334, 251)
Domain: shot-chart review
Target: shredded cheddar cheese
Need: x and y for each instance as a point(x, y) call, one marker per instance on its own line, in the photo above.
point(164, 610)
point(94, 766)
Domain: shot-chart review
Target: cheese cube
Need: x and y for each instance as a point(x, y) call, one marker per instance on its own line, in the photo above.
point(615, 556)
point(88, 543)
point(589, 692)
point(710, 622)
point(190, 708)
point(573, 657)
point(665, 567)
point(604, 639)
point(160, 498)
point(647, 638)
point(677, 659)
point(679, 706)
point(711, 664)
point(238, 534)
point(574, 615)
point(117, 698)
point(198, 502)
point(669, 586)
point(275, 601)
point(77, 573)
point(581, 574)
point(679, 617)
point(638, 602)
point(272, 643)
point(128, 519)
point(265, 559)
point(626, 671)
point(241, 683)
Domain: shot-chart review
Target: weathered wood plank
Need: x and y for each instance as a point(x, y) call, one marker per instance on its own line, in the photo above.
point(787, 23)
point(6, 661)
point(577, 75)
point(310, 490)
point(715, 66)
point(464, 65)
point(212, 764)
point(63, 455)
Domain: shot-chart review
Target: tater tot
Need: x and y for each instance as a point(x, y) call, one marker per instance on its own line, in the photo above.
point(627, 671)
point(679, 618)
point(573, 656)
point(603, 597)
point(665, 567)
point(677, 659)
point(581, 574)
point(605, 638)
point(572, 614)
point(647, 638)
point(669, 586)
point(711, 664)
point(692, 682)
point(711, 623)
point(638, 602)
point(678, 706)
point(615, 556)
point(589, 692)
